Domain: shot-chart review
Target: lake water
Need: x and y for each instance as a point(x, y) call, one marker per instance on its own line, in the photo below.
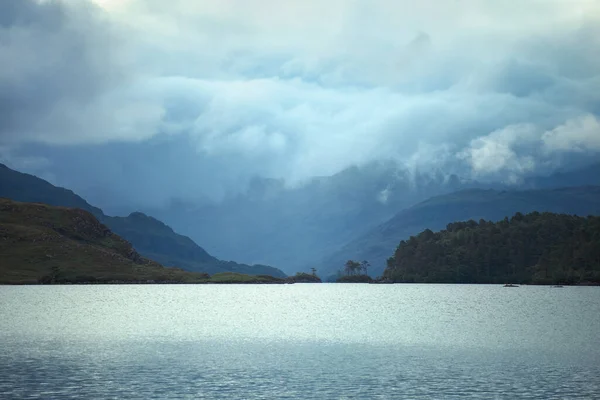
point(302, 341)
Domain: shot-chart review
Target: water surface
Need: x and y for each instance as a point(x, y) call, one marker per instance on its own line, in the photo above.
point(302, 341)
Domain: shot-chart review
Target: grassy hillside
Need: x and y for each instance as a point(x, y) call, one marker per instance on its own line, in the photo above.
point(233, 277)
point(538, 248)
point(39, 242)
point(378, 244)
point(152, 238)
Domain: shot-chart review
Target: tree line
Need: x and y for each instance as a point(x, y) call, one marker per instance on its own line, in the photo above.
point(356, 268)
point(537, 248)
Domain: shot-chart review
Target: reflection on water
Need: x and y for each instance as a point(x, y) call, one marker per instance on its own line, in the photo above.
point(302, 341)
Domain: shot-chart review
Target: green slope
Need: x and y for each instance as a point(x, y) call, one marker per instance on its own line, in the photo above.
point(379, 244)
point(42, 243)
point(150, 237)
point(538, 248)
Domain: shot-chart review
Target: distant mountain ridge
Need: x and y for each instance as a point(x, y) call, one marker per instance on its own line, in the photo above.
point(378, 244)
point(149, 236)
point(584, 176)
point(295, 226)
point(292, 226)
point(31, 189)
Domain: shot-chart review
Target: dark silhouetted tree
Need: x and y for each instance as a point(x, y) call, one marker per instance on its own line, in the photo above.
point(352, 267)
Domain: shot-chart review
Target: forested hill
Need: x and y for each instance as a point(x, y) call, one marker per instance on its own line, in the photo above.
point(537, 248)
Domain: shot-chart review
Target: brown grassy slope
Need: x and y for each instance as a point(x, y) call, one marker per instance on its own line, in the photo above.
point(38, 240)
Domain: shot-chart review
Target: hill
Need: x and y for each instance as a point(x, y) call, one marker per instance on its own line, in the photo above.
point(435, 213)
point(42, 243)
point(538, 248)
point(152, 238)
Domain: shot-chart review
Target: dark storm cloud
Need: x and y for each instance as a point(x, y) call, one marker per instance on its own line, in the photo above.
point(496, 90)
point(62, 66)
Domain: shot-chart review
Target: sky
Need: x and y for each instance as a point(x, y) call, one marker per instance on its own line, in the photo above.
point(151, 99)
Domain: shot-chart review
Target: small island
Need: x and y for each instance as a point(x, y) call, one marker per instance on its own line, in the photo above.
point(355, 272)
point(354, 279)
point(302, 277)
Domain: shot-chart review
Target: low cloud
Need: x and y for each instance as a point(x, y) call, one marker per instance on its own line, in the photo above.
point(498, 153)
point(575, 135)
point(66, 78)
point(516, 150)
point(280, 89)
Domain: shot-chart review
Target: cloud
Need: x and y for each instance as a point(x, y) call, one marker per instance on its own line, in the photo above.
point(498, 152)
point(515, 150)
point(297, 89)
point(576, 135)
point(65, 77)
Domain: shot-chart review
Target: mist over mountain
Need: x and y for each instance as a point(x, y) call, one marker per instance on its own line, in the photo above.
point(291, 227)
point(586, 175)
point(296, 227)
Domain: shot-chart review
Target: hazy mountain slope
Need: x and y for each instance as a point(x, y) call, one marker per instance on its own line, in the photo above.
point(159, 242)
point(28, 188)
point(149, 236)
point(292, 226)
point(585, 176)
point(42, 243)
point(153, 236)
point(379, 243)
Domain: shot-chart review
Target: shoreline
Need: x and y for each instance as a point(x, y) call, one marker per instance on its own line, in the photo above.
point(586, 284)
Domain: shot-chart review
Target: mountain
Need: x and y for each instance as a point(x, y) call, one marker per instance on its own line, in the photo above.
point(149, 236)
point(583, 176)
point(538, 248)
point(31, 189)
point(159, 242)
point(379, 243)
point(295, 225)
point(301, 225)
point(291, 226)
point(42, 243)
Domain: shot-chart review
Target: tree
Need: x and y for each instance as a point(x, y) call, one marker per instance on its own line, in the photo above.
point(365, 267)
point(351, 267)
